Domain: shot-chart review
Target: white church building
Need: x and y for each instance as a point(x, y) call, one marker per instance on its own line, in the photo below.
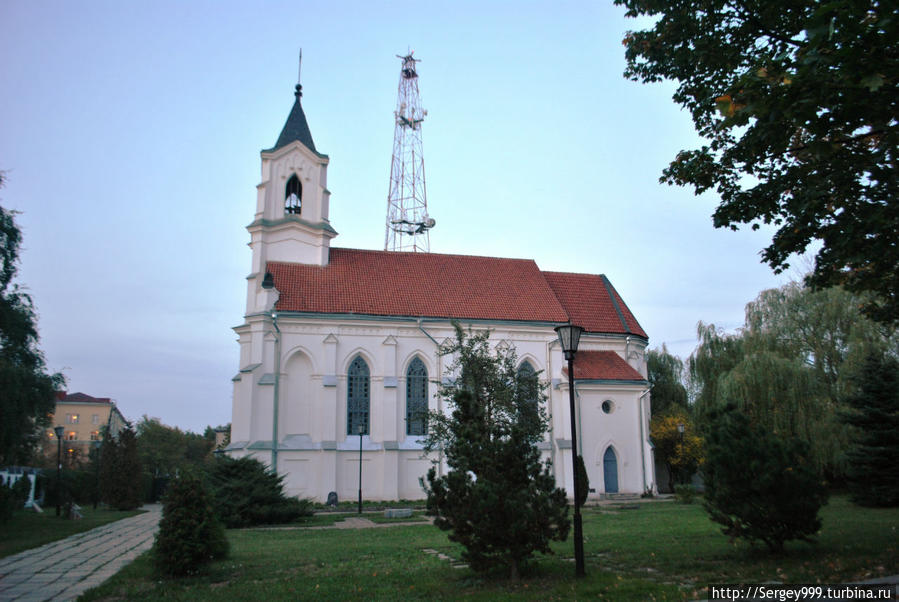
point(336, 341)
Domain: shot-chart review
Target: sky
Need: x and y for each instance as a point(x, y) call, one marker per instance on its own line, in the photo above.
point(130, 135)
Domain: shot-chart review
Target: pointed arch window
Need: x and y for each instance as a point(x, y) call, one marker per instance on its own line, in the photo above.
point(417, 398)
point(527, 375)
point(293, 196)
point(358, 391)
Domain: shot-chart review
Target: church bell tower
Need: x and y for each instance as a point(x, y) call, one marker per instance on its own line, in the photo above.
point(291, 221)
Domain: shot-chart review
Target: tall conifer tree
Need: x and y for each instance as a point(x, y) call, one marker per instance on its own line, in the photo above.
point(874, 412)
point(498, 499)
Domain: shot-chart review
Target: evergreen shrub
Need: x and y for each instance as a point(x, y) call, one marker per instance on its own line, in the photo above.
point(121, 484)
point(246, 493)
point(498, 499)
point(8, 503)
point(684, 493)
point(583, 480)
point(189, 534)
point(873, 414)
point(21, 489)
point(759, 485)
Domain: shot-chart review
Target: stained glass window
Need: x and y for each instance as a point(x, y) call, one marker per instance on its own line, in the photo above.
point(417, 398)
point(357, 397)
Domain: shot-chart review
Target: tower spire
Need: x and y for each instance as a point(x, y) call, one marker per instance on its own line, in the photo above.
point(296, 127)
point(408, 223)
point(299, 73)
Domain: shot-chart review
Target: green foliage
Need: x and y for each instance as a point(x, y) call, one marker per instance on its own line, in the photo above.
point(163, 450)
point(684, 493)
point(788, 368)
point(120, 471)
point(56, 490)
point(759, 485)
point(246, 493)
point(189, 534)
point(796, 100)
point(8, 503)
point(82, 485)
point(583, 480)
point(874, 415)
point(666, 376)
point(681, 453)
point(497, 500)
point(21, 489)
point(26, 389)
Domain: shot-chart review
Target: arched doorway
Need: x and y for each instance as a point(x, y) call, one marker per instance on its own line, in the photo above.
point(610, 470)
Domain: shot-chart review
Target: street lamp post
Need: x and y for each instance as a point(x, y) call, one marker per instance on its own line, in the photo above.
point(96, 473)
point(58, 430)
point(569, 337)
point(361, 430)
point(680, 431)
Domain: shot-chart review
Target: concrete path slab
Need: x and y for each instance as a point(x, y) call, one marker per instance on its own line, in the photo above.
point(65, 569)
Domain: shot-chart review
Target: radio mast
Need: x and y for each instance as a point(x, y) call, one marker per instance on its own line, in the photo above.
point(407, 202)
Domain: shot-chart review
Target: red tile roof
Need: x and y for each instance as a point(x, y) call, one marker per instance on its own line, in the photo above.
point(382, 283)
point(592, 302)
point(80, 398)
point(602, 365)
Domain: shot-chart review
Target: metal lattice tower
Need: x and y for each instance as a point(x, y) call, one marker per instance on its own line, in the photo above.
point(407, 202)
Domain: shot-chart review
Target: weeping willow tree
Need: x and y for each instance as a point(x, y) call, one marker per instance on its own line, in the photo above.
point(790, 366)
point(666, 375)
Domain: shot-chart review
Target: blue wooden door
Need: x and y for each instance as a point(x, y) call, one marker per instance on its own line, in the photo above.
point(610, 470)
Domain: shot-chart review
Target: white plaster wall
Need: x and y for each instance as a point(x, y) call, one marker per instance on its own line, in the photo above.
point(315, 355)
point(619, 429)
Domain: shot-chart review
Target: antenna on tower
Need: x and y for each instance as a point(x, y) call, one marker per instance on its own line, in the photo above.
point(408, 223)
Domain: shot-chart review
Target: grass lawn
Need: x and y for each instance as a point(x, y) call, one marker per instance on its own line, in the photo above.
point(328, 519)
point(661, 551)
point(28, 529)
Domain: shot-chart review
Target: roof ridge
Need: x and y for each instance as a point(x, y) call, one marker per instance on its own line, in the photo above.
point(412, 253)
point(613, 297)
point(573, 273)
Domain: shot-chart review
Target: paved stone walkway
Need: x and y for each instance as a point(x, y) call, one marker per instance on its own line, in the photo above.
point(65, 569)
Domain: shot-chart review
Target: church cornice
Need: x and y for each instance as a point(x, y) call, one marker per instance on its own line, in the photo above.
point(610, 381)
point(291, 220)
point(275, 153)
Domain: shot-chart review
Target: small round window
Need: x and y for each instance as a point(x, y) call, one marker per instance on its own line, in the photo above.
point(608, 406)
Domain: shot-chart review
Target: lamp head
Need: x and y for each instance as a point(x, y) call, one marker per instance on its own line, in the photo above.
point(569, 338)
point(58, 430)
point(268, 281)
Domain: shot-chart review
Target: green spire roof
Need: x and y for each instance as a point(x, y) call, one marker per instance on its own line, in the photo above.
point(296, 127)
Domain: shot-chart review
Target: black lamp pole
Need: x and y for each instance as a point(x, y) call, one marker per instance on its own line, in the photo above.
point(58, 430)
point(569, 336)
point(96, 473)
point(680, 430)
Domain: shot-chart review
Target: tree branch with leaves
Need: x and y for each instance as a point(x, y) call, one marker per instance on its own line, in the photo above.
point(26, 388)
point(797, 102)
